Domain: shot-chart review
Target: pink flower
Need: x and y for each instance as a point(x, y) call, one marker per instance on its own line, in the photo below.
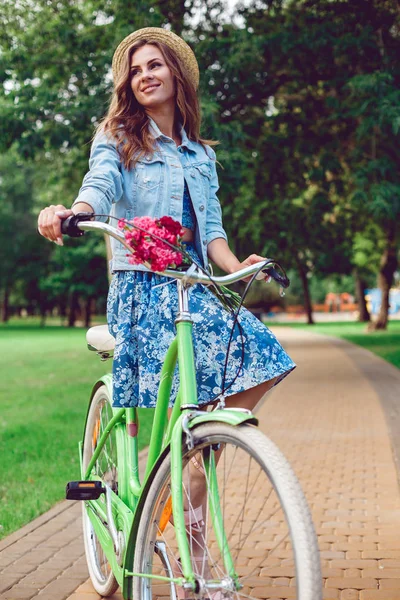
point(145, 236)
point(172, 226)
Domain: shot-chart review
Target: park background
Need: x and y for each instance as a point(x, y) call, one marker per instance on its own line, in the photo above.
point(304, 99)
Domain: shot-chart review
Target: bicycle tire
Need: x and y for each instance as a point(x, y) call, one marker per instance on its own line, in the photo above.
point(262, 570)
point(106, 468)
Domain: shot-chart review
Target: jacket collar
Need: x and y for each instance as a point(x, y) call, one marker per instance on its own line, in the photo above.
point(186, 143)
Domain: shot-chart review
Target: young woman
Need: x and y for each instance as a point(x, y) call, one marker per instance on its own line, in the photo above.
point(148, 159)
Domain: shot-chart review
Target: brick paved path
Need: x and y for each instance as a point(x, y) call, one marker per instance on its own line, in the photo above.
point(334, 418)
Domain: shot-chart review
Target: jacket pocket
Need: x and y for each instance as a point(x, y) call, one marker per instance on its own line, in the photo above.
point(203, 172)
point(149, 173)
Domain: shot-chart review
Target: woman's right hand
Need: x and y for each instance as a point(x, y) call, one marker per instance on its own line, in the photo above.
point(49, 222)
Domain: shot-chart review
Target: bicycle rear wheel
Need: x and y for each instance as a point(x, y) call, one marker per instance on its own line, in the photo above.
point(106, 469)
point(266, 519)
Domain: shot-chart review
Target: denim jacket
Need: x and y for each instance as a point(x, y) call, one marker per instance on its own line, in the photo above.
point(154, 188)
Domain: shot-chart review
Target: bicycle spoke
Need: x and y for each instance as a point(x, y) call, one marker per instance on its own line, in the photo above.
point(213, 508)
point(240, 516)
point(251, 491)
point(244, 521)
point(161, 535)
point(267, 556)
point(259, 526)
point(242, 537)
point(205, 549)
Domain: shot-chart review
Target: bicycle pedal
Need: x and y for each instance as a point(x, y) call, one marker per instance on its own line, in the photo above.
point(84, 490)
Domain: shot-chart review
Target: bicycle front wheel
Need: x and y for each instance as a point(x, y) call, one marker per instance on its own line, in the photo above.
point(266, 522)
point(105, 469)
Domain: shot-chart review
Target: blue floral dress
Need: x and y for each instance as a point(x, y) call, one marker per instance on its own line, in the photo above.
point(141, 312)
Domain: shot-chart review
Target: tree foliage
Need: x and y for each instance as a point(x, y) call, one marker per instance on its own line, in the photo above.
point(318, 111)
point(303, 96)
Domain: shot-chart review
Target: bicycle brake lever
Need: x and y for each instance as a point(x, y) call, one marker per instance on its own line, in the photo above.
point(283, 280)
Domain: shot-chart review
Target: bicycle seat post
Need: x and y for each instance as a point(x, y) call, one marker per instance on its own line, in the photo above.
point(183, 303)
point(187, 370)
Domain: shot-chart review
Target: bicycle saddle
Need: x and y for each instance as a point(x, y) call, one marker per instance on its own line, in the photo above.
point(101, 341)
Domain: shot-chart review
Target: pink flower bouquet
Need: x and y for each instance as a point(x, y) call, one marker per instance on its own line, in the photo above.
point(145, 236)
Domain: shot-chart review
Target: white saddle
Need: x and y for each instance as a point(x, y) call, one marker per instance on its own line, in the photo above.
point(100, 340)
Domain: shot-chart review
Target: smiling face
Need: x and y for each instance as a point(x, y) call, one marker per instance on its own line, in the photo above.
point(152, 82)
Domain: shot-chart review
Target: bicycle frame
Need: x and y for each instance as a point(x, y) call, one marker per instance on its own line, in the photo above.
point(127, 504)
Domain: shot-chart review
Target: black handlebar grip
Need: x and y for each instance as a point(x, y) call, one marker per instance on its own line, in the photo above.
point(278, 277)
point(70, 226)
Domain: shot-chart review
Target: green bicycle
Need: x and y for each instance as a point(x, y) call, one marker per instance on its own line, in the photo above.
point(252, 536)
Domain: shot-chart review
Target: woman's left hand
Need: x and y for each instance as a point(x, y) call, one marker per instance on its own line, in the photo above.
point(220, 253)
point(251, 260)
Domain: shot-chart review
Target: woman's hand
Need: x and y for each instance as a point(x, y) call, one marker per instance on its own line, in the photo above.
point(49, 222)
point(220, 253)
point(251, 260)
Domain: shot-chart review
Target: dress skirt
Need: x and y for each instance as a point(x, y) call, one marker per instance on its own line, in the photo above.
point(141, 312)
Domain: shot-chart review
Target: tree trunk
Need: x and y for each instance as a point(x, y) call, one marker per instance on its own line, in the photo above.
point(363, 313)
point(5, 314)
point(387, 270)
point(306, 291)
point(43, 312)
point(62, 307)
point(73, 309)
point(88, 311)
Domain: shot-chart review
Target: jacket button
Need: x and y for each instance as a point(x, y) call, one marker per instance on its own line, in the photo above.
point(193, 174)
point(201, 207)
point(204, 242)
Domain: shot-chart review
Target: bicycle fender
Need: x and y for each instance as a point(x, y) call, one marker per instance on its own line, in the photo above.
point(104, 380)
point(225, 415)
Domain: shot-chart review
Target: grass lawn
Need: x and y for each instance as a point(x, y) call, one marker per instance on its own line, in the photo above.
point(44, 392)
point(383, 343)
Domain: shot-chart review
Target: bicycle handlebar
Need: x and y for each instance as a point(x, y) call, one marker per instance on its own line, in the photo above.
point(74, 226)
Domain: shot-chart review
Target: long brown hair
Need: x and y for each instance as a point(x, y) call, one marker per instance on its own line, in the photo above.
point(127, 120)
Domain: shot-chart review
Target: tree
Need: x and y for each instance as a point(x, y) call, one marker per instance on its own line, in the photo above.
point(280, 194)
point(376, 179)
point(18, 236)
point(55, 61)
point(295, 94)
point(78, 272)
point(327, 80)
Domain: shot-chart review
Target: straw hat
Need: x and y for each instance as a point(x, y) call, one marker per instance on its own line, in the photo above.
point(157, 34)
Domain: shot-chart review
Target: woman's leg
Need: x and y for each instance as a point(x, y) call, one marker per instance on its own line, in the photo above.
point(250, 398)
point(194, 475)
point(247, 399)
